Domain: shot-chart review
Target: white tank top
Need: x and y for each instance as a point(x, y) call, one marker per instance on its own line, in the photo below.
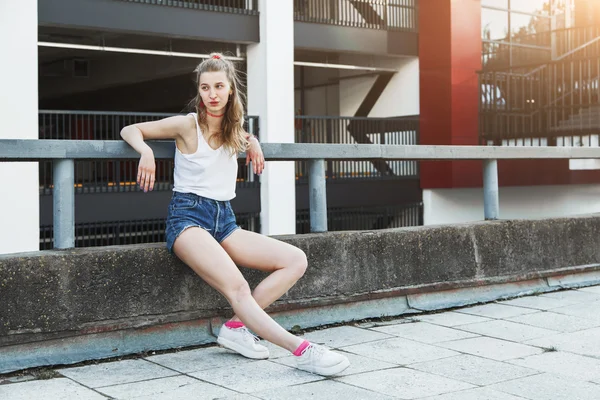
point(208, 173)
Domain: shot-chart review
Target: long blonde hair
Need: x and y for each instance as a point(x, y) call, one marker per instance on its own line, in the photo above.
point(232, 133)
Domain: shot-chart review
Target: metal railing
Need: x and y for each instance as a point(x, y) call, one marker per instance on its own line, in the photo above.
point(105, 176)
point(570, 39)
point(554, 105)
point(392, 15)
point(64, 152)
point(549, 103)
point(365, 218)
point(102, 176)
point(125, 232)
point(249, 7)
point(351, 130)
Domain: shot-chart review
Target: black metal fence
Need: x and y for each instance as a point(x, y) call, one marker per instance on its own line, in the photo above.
point(116, 233)
point(396, 15)
point(553, 104)
point(349, 130)
point(120, 175)
point(113, 175)
point(366, 218)
point(228, 6)
point(570, 39)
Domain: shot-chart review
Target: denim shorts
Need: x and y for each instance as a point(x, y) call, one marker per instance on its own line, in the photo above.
point(187, 210)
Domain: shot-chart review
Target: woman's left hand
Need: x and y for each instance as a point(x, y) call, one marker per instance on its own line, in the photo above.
point(255, 154)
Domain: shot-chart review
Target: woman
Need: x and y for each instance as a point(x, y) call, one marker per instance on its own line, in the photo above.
point(201, 227)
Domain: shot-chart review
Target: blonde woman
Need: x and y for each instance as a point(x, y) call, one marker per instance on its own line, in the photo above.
point(201, 226)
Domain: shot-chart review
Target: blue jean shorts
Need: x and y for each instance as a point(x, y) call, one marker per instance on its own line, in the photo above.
point(187, 210)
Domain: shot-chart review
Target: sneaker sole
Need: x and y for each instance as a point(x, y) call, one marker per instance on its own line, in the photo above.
point(333, 370)
point(255, 355)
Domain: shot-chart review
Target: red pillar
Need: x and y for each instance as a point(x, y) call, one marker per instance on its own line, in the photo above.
point(449, 58)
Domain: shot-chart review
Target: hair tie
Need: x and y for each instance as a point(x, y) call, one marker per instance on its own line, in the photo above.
point(217, 57)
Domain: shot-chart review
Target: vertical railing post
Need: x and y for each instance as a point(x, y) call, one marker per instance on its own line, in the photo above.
point(317, 195)
point(64, 203)
point(250, 167)
point(491, 203)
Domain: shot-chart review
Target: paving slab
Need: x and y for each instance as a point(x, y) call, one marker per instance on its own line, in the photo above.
point(344, 336)
point(276, 351)
point(591, 289)
point(567, 365)
point(358, 364)
point(549, 387)
point(494, 310)
point(451, 319)
point(494, 349)
point(538, 302)
point(586, 342)
point(424, 332)
point(507, 330)
point(114, 373)
point(244, 396)
point(476, 394)
point(328, 389)
point(255, 377)
point(55, 389)
point(399, 351)
point(573, 295)
point(476, 370)
point(198, 359)
point(404, 383)
point(555, 321)
point(172, 388)
point(582, 310)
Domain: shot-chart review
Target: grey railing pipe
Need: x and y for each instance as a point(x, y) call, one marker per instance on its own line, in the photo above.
point(491, 200)
point(64, 152)
point(63, 178)
point(317, 195)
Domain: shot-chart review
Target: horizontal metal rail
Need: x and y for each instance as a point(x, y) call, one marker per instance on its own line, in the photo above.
point(35, 150)
point(64, 152)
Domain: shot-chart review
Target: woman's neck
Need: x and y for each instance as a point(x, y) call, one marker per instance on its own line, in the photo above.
point(214, 123)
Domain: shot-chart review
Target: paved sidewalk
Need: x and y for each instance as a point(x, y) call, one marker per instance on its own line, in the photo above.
point(544, 347)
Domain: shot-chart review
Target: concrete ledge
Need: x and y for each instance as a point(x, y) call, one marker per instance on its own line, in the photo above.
point(61, 307)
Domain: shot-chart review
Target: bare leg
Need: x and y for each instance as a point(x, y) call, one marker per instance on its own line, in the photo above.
point(198, 249)
point(286, 263)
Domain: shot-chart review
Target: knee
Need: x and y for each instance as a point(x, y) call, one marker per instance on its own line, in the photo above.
point(298, 262)
point(238, 291)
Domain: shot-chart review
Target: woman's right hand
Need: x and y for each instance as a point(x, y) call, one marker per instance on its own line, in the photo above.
point(146, 171)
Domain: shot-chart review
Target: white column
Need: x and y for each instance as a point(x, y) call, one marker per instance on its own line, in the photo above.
point(19, 193)
point(271, 97)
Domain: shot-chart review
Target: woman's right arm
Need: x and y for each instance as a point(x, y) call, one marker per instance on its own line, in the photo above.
point(136, 134)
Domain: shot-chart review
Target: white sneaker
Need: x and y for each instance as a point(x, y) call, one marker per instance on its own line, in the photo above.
point(320, 360)
point(242, 341)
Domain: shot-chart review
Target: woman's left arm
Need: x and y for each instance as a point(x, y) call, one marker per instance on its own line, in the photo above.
point(255, 154)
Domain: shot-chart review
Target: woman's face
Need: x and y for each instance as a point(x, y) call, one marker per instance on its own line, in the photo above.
point(214, 90)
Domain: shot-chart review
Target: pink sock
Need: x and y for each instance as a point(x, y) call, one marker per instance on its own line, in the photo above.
point(234, 324)
point(301, 348)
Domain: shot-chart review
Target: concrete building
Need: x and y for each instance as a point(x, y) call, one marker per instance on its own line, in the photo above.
point(342, 71)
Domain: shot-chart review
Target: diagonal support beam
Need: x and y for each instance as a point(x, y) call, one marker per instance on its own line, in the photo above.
point(360, 136)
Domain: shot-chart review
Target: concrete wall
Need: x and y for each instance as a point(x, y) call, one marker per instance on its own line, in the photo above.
point(19, 207)
point(61, 307)
point(322, 100)
point(459, 205)
point(400, 97)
